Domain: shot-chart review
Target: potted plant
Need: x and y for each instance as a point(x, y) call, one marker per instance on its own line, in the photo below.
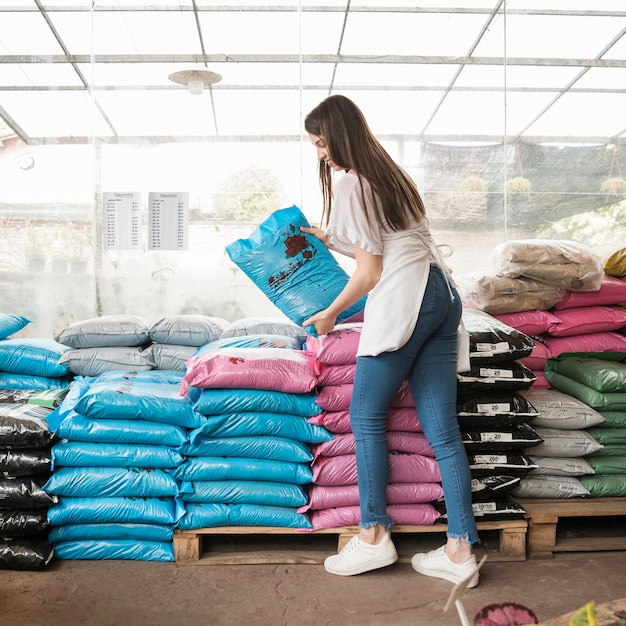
point(614, 186)
point(473, 184)
point(519, 184)
point(78, 244)
point(35, 251)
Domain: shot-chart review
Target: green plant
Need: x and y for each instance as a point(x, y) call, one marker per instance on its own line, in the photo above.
point(35, 244)
point(473, 184)
point(519, 184)
point(614, 186)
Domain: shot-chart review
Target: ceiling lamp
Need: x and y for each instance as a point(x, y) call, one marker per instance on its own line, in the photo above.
point(195, 80)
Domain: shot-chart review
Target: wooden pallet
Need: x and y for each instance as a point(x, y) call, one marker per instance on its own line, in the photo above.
point(230, 545)
point(574, 525)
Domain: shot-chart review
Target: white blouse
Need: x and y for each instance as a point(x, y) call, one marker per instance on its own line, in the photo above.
point(393, 305)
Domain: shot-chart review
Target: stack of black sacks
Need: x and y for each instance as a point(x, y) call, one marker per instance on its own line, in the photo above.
point(494, 417)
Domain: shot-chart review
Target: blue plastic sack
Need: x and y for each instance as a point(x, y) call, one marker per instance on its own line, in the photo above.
point(220, 401)
point(104, 482)
point(27, 381)
point(219, 468)
point(79, 428)
point(261, 424)
point(118, 549)
point(88, 454)
point(66, 408)
point(173, 377)
point(199, 515)
point(274, 448)
point(244, 492)
point(254, 341)
point(36, 356)
point(115, 510)
point(157, 402)
point(294, 270)
point(10, 324)
point(137, 532)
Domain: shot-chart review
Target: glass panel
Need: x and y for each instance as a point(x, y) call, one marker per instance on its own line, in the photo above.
point(26, 33)
point(54, 114)
point(410, 33)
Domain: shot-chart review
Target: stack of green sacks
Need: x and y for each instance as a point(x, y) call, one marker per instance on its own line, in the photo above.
point(598, 380)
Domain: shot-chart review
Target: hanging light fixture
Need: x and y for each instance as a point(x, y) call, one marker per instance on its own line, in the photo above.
point(195, 79)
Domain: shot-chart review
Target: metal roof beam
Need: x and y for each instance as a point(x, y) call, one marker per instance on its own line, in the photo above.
point(316, 58)
point(438, 138)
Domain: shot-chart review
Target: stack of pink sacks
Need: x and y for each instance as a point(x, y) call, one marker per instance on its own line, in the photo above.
point(587, 321)
point(555, 291)
point(249, 462)
point(414, 481)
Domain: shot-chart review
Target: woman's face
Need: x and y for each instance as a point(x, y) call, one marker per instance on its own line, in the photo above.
point(322, 152)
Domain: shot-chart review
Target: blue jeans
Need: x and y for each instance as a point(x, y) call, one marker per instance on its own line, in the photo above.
point(428, 361)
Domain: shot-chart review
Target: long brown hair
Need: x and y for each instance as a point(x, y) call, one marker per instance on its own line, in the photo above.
point(351, 145)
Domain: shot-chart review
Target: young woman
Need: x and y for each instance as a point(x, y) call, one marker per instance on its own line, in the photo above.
point(374, 213)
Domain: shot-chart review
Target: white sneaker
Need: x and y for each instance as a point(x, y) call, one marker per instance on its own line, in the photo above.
point(358, 557)
point(438, 564)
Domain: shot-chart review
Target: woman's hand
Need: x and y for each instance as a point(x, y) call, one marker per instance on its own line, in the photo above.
point(323, 322)
point(316, 231)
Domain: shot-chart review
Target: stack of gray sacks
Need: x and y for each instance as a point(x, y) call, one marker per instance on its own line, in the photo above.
point(590, 395)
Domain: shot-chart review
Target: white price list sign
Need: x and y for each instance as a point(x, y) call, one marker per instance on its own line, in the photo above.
point(168, 220)
point(121, 224)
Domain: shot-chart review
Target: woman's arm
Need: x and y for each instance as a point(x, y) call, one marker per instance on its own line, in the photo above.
point(366, 275)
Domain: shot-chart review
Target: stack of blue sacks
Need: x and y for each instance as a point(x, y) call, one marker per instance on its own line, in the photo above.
point(113, 470)
point(249, 462)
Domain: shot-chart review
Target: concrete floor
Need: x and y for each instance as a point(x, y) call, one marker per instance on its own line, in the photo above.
point(132, 593)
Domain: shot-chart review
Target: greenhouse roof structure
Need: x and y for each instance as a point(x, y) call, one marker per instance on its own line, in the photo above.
point(458, 71)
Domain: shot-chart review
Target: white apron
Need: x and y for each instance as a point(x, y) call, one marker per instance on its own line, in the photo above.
point(393, 306)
